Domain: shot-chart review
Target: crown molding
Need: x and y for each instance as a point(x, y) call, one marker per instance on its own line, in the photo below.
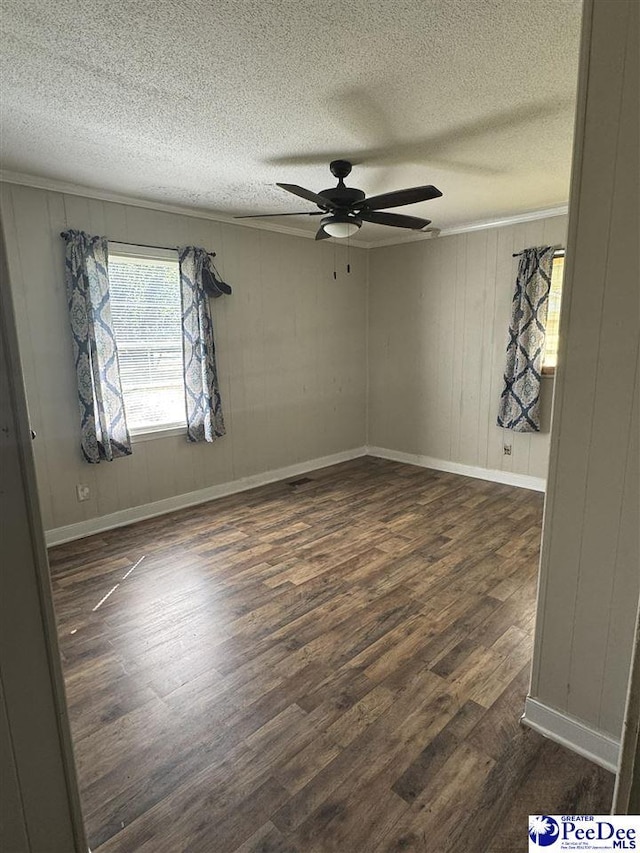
point(53, 185)
point(480, 225)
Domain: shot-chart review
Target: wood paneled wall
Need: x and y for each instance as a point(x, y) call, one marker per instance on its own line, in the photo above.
point(291, 345)
point(590, 565)
point(439, 314)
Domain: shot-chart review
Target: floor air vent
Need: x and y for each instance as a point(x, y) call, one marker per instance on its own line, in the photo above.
point(301, 482)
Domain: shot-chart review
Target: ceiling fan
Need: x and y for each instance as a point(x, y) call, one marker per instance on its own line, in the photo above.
point(344, 209)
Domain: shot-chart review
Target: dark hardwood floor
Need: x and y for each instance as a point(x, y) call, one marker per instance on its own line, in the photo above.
point(335, 665)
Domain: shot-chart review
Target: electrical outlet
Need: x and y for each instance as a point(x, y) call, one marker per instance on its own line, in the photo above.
point(83, 492)
point(506, 449)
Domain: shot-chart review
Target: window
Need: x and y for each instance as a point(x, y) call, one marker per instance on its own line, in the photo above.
point(550, 357)
point(146, 316)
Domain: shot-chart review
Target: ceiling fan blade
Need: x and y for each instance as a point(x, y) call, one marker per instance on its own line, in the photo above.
point(297, 213)
point(321, 234)
point(400, 197)
point(321, 201)
point(398, 220)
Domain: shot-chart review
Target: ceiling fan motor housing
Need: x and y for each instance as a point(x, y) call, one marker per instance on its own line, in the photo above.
point(342, 196)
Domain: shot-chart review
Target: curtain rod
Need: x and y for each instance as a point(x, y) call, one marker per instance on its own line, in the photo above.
point(151, 246)
point(558, 252)
point(145, 245)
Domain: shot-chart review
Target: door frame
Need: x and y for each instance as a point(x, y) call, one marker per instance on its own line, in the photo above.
point(626, 797)
point(41, 807)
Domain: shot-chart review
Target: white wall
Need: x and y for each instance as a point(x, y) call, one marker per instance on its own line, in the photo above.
point(291, 345)
point(590, 566)
point(439, 314)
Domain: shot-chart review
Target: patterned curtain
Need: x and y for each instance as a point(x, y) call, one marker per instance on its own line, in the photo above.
point(103, 425)
point(520, 400)
point(202, 395)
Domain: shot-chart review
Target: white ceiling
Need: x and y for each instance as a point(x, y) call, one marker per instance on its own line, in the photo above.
point(208, 104)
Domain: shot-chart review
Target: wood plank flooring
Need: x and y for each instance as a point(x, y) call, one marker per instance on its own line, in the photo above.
point(335, 665)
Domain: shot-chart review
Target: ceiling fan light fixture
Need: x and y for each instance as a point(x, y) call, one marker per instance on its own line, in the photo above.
point(341, 225)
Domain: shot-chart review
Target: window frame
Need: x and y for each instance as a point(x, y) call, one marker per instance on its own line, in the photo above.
point(131, 250)
point(550, 370)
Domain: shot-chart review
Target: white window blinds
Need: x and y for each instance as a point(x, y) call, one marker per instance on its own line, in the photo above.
point(552, 331)
point(146, 312)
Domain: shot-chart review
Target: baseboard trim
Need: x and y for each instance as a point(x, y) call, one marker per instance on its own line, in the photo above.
point(576, 735)
point(523, 481)
point(81, 529)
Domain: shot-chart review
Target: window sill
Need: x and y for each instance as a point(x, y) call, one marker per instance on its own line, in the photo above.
point(163, 432)
point(548, 371)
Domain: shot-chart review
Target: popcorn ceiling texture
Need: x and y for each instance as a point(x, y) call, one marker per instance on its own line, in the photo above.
point(208, 104)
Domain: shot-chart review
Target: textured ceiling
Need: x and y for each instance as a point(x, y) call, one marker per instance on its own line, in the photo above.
point(208, 104)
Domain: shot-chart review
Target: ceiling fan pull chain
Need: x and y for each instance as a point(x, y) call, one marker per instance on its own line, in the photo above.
point(349, 254)
point(335, 275)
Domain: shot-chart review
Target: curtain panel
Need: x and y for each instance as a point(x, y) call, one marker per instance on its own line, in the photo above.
point(202, 394)
point(103, 425)
point(519, 408)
